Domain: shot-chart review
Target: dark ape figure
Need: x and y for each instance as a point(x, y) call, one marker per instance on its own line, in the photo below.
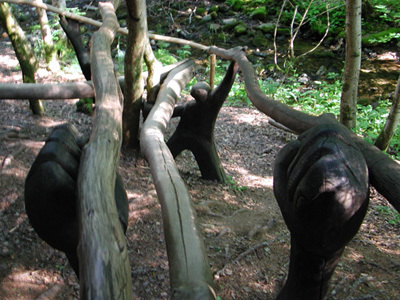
point(51, 192)
point(321, 184)
point(195, 130)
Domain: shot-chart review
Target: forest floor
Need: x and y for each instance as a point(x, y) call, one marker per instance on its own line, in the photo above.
point(233, 217)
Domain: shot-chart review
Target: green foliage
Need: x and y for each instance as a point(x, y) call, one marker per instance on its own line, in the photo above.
point(317, 19)
point(184, 51)
point(163, 55)
point(85, 105)
point(392, 216)
point(322, 98)
point(382, 22)
point(381, 37)
point(370, 122)
point(388, 11)
point(235, 186)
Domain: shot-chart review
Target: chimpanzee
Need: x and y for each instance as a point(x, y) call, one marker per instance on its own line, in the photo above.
point(51, 192)
point(321, 185)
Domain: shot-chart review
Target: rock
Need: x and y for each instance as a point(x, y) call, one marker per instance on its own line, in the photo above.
point(238, 4)
point(214, 15)
point(240, 29)
point(206, 18)
point(229, 24)
point(214, 8)
point(201, 11)
point(215, 27)
point(259, 40)
point(229, 21)
point(259, 13)
point(303, 79)
point(321, 71)
point(267, 27)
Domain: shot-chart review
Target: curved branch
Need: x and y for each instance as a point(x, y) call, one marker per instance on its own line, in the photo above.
point(190, 274)
point(384, 173)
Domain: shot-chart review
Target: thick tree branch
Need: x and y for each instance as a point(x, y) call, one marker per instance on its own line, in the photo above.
point(69, 90)
point(190, 275)
point(104, 271)
point(47, 91)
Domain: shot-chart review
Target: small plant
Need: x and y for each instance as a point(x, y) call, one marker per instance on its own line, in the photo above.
point(235, 186)
point(184, 52)
point(85, 105)
point(392, 216)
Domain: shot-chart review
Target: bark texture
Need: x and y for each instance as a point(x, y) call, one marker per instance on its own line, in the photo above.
point(137, 39)
point(384, 138)
point(46, 91)
point(47, 38)
point(348, 102)
point(104, 270)
point(23, 51)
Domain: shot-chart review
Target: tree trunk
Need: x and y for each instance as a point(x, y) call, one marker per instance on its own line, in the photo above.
point(47, 38)
point(384, 138)
point(137, 39)
point(23, 51)
point(104, 272)
point(190, 275)
point(348, 103)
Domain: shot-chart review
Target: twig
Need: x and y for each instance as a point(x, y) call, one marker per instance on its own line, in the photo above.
point(328, 25)
point(291, 43)
point(250, 250)
point(9, 158)
point(50, 293)
point(276, 30)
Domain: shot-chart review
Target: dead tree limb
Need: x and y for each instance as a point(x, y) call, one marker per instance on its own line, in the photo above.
point(190, 275)
point(104, 271)
point(384, 173)
point(69, 90)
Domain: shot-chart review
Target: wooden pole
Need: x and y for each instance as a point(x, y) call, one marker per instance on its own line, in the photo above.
point(213, 59)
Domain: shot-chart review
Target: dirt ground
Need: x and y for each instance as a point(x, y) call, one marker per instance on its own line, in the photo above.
point(233, 217)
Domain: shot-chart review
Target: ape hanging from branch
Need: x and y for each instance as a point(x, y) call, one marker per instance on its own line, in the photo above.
point(51, 189)
point(195, 130)
point(321, 184)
